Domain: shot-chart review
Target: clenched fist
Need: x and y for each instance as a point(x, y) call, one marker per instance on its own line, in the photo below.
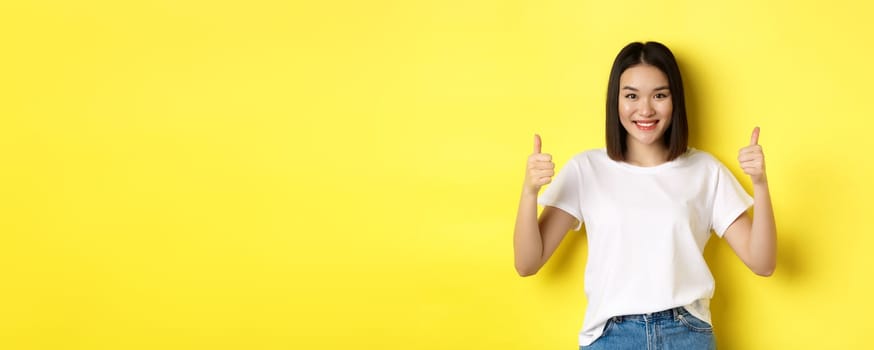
point(540, 168)
point(752, 159)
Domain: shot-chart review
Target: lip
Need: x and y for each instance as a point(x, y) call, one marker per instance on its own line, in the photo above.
point(646, 128)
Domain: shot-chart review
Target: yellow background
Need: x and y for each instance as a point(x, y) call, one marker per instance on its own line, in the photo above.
point(325, 175)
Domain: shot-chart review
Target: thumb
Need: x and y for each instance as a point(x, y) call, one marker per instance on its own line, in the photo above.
point(754, 140)
point(537, 143)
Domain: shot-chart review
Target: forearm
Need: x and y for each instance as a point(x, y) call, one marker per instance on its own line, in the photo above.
point(763, 240)
point(527, 241)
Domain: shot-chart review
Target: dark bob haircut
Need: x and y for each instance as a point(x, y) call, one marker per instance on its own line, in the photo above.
point(655, 54)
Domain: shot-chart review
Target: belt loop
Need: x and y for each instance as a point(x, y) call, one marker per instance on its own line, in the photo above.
point(675, 312)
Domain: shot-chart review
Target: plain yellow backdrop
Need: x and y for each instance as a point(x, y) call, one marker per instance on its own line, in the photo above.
point(345, 174)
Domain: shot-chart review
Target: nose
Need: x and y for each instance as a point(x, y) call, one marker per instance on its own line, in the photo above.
point(646, 109)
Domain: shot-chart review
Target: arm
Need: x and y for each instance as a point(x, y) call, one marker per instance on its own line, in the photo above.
point(533, 241)
point(754, 240)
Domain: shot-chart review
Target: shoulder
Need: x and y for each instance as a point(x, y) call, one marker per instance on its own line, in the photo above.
point(704, 161)
point(590, 156)
point(587, 163)
point(699, 157)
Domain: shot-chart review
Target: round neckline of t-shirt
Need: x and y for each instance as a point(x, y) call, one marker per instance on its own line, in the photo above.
point(650, 169)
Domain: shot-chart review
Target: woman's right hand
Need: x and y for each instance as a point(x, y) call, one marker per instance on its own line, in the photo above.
point(540, 169)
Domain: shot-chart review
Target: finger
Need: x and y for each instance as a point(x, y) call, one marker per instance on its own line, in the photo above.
point(544, 172)
point(754, 140)
point(544, 165)
point(748, 157)
point(544, 181)
point(537, 143)
point(751, 165)
point(751, 149)
point(541, 157)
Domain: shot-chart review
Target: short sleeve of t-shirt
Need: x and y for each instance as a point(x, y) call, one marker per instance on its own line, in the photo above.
point(729, 202)
point(564, 192)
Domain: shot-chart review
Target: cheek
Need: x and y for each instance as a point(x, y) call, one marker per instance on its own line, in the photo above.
point(625, 110)
point(667, 108)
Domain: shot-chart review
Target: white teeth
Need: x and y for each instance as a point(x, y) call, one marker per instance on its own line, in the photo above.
point(645, 124)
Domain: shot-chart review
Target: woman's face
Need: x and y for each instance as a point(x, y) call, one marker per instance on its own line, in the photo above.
point(645, 105)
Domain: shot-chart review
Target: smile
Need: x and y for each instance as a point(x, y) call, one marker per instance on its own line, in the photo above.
point(646, 126)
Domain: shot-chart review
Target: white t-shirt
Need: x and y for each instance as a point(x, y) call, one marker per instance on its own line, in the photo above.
point(646, 229)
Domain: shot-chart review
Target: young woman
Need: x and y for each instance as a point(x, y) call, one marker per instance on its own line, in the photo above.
point(649, 203)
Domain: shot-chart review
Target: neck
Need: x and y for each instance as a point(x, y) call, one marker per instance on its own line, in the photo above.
point(646, 155)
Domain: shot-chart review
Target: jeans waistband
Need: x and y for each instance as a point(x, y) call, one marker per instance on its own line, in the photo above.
point(654, 316)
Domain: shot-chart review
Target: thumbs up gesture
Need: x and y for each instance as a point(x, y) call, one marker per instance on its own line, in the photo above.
point(540, 168)
point(752, 159)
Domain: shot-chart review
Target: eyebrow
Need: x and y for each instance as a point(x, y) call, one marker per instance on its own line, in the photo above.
point(635, 89)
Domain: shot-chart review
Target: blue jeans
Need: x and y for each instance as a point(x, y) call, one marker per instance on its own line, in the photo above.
point(665, 330)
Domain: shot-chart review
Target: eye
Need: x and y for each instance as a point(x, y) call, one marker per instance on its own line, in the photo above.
point(661, 96)
point(631, 96)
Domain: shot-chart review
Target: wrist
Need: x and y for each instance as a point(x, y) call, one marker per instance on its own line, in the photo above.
point(761, 182)
point(530, 192)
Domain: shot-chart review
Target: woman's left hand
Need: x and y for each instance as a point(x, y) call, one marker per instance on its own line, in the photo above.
point(752, 160)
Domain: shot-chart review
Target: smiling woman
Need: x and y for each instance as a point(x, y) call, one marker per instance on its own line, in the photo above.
point(652, 67)
point(649, 203)
point(645, 110)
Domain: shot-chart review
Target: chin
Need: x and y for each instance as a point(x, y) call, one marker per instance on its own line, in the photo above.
point(649, 140)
